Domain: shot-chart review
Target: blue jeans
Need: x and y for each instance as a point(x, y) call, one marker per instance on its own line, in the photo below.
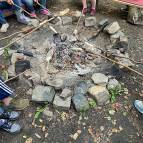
point(29, 4)
point(5, 5)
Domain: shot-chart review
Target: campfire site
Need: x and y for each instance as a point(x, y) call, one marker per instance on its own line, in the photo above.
point(76, 77)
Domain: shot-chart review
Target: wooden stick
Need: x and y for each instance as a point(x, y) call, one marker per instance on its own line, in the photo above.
point(141, 74)
point(40, 25)
point(10, 35)
point(16, 76)
point(91, 49)
point(25, 11)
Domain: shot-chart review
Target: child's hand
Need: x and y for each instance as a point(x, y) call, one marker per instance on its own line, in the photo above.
point(36, 1)
point(10, 2)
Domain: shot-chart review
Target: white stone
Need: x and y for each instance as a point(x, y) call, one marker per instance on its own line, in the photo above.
point(112, 28)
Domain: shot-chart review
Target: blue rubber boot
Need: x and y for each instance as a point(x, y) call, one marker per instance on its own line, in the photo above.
point(139, 105)
point(13, 115)
point(9, 127)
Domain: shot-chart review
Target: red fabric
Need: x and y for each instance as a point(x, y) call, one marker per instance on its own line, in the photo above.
point(136, 2)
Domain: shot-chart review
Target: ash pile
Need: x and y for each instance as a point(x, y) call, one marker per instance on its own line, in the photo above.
point(66, 68)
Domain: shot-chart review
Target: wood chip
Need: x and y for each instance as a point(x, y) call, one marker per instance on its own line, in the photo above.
point(38, 136)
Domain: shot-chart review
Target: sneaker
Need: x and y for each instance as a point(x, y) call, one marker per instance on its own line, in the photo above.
point(4, 27)
point(33, 15)
point(84, 11)
point(22, 18)
point(139, 105)
point(13, 115)
point(11, 128)
point(92, 11)
point(44, 12)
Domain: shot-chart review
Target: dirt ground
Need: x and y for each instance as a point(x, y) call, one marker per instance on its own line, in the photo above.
point(126, 126)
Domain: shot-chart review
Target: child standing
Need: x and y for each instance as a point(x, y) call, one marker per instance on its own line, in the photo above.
point(93, 7)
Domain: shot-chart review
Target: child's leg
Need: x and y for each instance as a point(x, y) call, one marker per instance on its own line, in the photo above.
point(43, 3)
point(93, 7)
point(2, 18)
point(43, 8)
point(93, 3)
point(84, 10)
point(84, 4)
point(20, 15)
point(29, 5)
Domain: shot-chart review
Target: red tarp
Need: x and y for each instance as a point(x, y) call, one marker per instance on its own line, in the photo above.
point(134, 2)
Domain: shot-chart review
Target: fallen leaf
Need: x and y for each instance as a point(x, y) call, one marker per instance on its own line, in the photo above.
point(120, 128)
point(46, 135)
point(43, 128)
point(102, 128)
point(29, 140)
point(38, 136)
point(112, 112)
point(114, 130)
point(24, 136)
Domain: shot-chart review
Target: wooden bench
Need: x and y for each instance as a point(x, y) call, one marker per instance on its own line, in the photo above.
point(136, 3)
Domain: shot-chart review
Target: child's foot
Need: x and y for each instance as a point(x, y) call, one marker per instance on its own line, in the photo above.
point(22, 18)
point(44, 12)
point(4, 27)
point(93, 11)
point(10, 127)
point(84, 11)
point(33, 15)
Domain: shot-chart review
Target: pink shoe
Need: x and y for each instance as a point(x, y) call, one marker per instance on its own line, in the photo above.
point(92, 11)
point(44, 12)
point(84, 11)
point(33, 15)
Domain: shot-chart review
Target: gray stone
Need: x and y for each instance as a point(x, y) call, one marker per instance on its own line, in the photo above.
point(62, 104)
point(81, 88)
point(24, 83)
point(124, 60)
point(70, 78)
point(90, 21)
point(66, 20)
point(49, 114)
point(29, 92)
point(80, 102)
point(66, 93)
point(83, 70)
point(118, 35)
point(56, 20)
point(113, 83)
point(99, 78)
point(11, 71)
point(112, 28)
point(100, 94)
point(34, 22)
point(72, 38)
point(33, 76)
point(43, 93)
point(17, 56)
point(56, 83)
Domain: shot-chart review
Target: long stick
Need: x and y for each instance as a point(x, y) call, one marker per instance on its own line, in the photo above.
point(141, 74)
point(25, 11)
point(40, 25)
point(43, 7)
point(91, 50)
